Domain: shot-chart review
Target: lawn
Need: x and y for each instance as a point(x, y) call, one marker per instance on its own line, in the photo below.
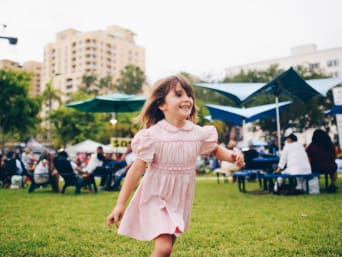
point(224, 222)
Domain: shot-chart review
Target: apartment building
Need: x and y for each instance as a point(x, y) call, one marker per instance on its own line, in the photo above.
point(75, 53)
point(32, 67)
point(328, 61)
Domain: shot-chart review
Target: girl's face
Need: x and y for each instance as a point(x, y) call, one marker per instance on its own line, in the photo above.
point(177, 104)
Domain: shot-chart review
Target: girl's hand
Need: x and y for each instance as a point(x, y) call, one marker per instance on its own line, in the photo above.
point(238, 159)
point(115, 216)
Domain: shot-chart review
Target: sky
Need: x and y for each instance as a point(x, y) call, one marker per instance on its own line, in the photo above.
point(201, 37)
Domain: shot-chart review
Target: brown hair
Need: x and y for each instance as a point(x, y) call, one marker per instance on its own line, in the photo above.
point(150, 113)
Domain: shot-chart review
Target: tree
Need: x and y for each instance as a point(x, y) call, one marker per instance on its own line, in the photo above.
point(49, 95)
point(131, 80)
point(18, 112)
point(89, 84)
point(105, 84)
point(72, 126)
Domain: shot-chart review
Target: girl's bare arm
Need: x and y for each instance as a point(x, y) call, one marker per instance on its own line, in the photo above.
point(132, 178)
point(229, 155)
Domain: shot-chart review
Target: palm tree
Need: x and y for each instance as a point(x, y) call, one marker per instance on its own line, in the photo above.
point(49, 95)
point(89, 84)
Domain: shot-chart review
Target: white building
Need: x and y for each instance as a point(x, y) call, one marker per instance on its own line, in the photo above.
point(329, 61)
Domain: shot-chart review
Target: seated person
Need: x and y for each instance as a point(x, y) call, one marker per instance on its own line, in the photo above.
point(322, 156)
point(44, 173)
point(121, 173)
point(296, 161)
point(96, 168)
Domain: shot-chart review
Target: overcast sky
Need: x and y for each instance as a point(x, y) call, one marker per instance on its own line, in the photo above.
point(197, 36)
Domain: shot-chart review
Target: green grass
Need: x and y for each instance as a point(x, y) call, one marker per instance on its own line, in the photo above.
point(224, 222)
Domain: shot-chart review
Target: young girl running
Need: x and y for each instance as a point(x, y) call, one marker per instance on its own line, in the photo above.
point(168, 145)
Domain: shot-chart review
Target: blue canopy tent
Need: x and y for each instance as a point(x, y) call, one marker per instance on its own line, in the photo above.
point(290, 83)
point(337, 109)
point(238, 92)
point(324, 85)
point(239, 116)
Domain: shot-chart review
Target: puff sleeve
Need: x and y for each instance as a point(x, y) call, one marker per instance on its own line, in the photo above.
point(143, 146)
point(210, 138)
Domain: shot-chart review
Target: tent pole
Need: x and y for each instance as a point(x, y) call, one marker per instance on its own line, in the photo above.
point(244, 130)
point(278, 122)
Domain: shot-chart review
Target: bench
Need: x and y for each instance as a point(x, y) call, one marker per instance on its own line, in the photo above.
point(241, 177)
point(270, 177)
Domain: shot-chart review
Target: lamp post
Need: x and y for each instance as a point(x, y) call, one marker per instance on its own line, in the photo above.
point(11, 40)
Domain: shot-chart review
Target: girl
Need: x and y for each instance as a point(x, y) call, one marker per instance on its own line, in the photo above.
point(169, 145)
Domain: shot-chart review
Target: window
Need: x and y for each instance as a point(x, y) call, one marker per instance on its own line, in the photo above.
point(334, 74)
point(314, 66)
point(333, 63)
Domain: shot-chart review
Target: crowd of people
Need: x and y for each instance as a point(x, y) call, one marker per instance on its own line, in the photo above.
point(39, 170)
point(317, 157)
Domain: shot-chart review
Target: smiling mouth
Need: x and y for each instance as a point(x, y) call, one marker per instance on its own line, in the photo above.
point(185, 107)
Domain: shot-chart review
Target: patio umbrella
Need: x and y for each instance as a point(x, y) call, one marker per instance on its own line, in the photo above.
point(110, 103)
point(113, 103)
point(290, 83)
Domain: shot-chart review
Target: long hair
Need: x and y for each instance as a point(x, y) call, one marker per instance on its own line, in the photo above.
point(150, 113)
point(322, 139)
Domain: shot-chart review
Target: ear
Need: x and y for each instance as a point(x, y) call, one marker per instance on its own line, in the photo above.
point(162, 107)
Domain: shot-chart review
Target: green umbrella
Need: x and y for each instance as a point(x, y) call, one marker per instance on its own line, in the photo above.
point(110, 103)
point(113, 103)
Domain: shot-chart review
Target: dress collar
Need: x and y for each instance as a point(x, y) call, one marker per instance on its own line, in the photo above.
point(169, 127)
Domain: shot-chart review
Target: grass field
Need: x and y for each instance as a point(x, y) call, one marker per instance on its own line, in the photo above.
point(224, 222)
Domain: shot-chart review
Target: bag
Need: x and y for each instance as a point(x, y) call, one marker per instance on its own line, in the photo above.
point(314, 186)
point(16, 182)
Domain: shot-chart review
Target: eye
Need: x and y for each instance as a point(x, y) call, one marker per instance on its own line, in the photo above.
point(178, 93)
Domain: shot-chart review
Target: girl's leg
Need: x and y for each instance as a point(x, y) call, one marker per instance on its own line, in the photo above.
point(163, 245)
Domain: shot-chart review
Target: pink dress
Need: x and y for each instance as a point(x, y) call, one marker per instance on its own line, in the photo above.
point(162, 203)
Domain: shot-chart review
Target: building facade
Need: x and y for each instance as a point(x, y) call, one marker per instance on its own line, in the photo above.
point(102, 53)
point(31, 67)
point(329, 61)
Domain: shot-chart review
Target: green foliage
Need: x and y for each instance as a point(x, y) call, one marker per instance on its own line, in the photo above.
point(131, 80)
point(89, 84)
point(71, 126)
point(224, 222)
point(50, 94)
point(18, 112)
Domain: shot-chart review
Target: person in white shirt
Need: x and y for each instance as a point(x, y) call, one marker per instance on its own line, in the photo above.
point(26, 157)
point(96, 168)
point(121, 173)
point(295, 159)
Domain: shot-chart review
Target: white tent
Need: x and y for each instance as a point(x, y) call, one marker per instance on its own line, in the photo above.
point(35, 146)
point(87, 146)
point(90, 146)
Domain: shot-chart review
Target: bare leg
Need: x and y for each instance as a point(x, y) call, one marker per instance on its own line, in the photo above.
point(163, 245)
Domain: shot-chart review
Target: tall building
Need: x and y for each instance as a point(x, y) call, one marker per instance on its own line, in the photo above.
point(32, 67)
point(329, 61)
point(101, 53)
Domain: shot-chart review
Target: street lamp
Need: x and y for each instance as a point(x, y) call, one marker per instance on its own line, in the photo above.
point(11, 40)
point(113, 120)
